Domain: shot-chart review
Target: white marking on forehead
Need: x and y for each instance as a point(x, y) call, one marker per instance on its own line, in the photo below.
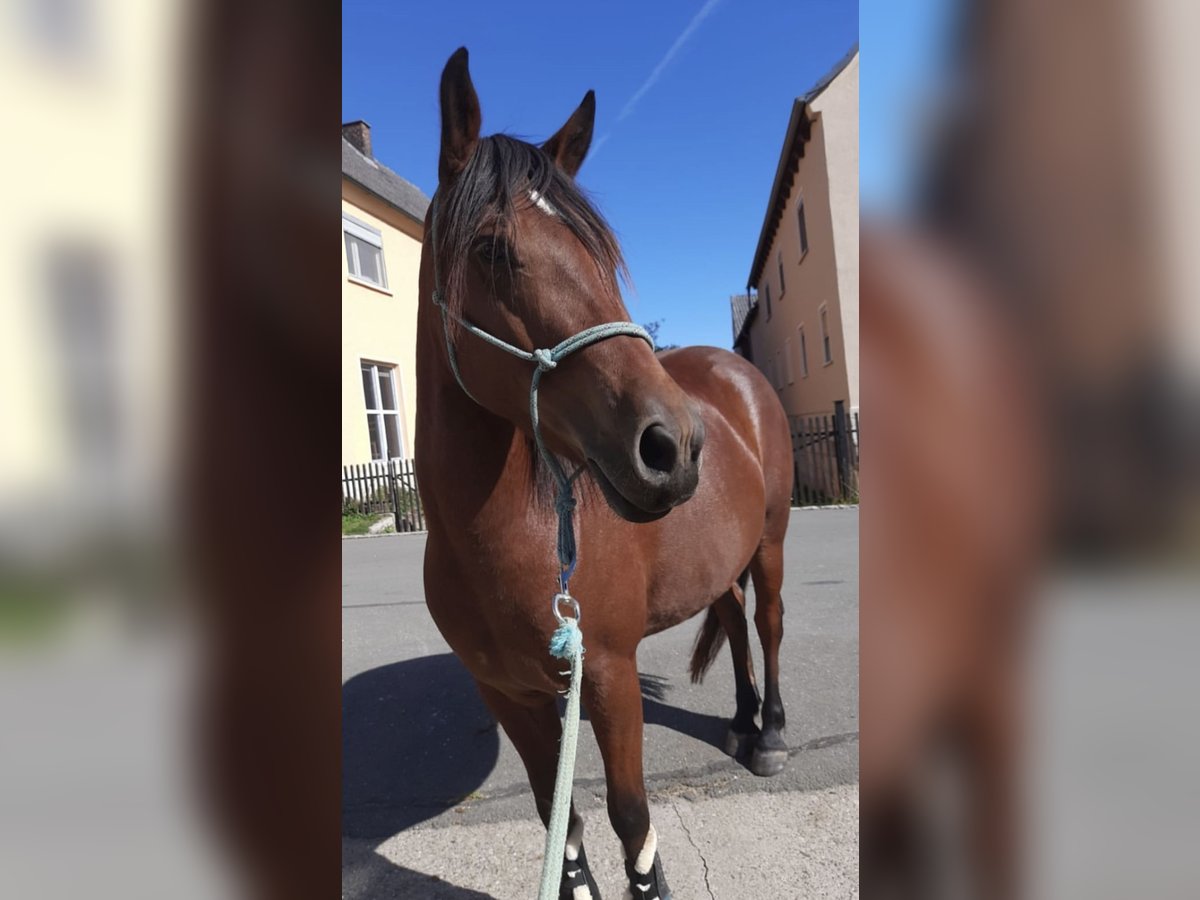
point(542, 203)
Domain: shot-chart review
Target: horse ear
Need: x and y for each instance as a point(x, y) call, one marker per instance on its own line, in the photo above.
point(461, 117)
point(570, 145)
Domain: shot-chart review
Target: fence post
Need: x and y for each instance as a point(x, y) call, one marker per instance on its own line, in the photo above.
point(842, 450)
point(393, 493)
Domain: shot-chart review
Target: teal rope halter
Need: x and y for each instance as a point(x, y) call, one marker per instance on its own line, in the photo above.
point(545, 361)
point(567, 641)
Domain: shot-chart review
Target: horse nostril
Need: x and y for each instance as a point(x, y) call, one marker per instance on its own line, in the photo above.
point(697, 440)
point(658, 449)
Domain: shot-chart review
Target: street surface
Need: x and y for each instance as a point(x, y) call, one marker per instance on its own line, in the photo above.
point(436, 803)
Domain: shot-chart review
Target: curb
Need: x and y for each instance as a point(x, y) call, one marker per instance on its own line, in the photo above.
point(382, 534)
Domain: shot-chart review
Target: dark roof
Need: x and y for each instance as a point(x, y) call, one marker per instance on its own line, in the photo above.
point(817, 89)
point(742, 307)
point(383, 182)
point(799, 130)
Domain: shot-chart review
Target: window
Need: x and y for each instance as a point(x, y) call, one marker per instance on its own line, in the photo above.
point(787, 358)
point(383, 410)
point(779, 259)
point(66, 29)
point(364, 252)
point(83, 302)
point(803, 229)
point(826, 344)
point(803, 353)
point(767, 293)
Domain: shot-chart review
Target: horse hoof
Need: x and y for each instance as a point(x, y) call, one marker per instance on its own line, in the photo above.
point(766, 763)
point(737, 745)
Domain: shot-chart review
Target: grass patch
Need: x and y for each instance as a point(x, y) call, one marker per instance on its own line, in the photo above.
point(360, 523)
point(30, 611)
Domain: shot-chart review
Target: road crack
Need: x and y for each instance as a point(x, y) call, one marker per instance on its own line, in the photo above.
point(691, 840)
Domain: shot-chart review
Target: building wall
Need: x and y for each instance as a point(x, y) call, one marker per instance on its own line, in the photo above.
point(89, 386)
point(379, 325)
point(827, 275)
point(838, 108)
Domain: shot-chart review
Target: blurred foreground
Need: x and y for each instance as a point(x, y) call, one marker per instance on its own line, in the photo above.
point(169, 679)
point(1030, 521)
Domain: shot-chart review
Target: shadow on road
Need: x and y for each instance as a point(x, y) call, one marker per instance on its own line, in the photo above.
point(416, 740)
point(702, 727)
point(366, 875)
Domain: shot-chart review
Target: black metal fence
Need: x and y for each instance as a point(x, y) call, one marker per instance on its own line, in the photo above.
point(825, 459)
point(379, 487)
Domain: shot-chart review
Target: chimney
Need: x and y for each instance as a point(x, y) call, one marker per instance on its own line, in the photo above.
point(358, 133)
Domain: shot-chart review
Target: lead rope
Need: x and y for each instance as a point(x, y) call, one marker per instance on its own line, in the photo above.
point(567, 641)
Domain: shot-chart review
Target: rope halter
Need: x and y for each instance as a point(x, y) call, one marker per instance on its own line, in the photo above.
point(544, 360)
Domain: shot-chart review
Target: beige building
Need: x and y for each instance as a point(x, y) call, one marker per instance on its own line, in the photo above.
point(382, 229)
point(798, 321)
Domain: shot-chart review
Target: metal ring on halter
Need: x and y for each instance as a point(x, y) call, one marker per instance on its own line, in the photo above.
point(565, 598)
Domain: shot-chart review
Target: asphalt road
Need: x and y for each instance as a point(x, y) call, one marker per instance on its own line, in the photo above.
point(421, 752)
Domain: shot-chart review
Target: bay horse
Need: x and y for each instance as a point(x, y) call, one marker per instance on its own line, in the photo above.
point(686, 487)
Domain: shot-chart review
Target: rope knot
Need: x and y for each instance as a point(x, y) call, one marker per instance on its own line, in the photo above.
point(564, 503)
point(544, 359)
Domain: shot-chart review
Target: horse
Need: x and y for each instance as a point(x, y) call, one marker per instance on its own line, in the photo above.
point(683, 458)
point(953, 551)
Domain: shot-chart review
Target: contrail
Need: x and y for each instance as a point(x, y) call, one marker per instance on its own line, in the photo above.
point(707, 8)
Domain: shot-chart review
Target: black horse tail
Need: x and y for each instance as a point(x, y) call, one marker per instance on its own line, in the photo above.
point(711, 637)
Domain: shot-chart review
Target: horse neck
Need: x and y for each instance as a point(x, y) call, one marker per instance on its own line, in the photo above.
point(464, 446)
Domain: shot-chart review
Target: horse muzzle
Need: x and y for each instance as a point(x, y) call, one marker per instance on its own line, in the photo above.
point(658, 469)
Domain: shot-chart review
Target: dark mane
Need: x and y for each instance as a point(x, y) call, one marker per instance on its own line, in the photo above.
point(496, 181)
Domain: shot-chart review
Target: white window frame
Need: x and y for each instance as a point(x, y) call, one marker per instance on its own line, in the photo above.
point(375, 408)
point(826, 339)
point(803, 351)
point(369, 235)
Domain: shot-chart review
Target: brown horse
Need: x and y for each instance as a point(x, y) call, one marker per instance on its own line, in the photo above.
point(524, 256)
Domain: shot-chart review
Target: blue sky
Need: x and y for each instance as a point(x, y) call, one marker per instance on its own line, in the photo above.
point(693, 99)
point(904, 50)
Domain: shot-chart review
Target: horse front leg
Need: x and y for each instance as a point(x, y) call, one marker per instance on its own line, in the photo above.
point(613, 698)
point(535, 730)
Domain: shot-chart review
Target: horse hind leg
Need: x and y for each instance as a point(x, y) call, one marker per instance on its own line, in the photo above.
point(727, 617)
point(535, 732)
point(770, 750)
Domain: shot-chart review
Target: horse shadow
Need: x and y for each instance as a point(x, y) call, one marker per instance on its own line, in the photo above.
point(702, 727)
point(417, 740)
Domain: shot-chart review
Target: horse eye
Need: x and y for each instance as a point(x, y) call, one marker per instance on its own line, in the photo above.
point(492, 249)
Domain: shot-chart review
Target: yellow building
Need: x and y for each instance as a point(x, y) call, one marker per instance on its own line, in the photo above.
point(89, 301)
point(382, 229)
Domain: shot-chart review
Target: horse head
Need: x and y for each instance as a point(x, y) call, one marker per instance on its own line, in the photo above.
point(523, 255)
